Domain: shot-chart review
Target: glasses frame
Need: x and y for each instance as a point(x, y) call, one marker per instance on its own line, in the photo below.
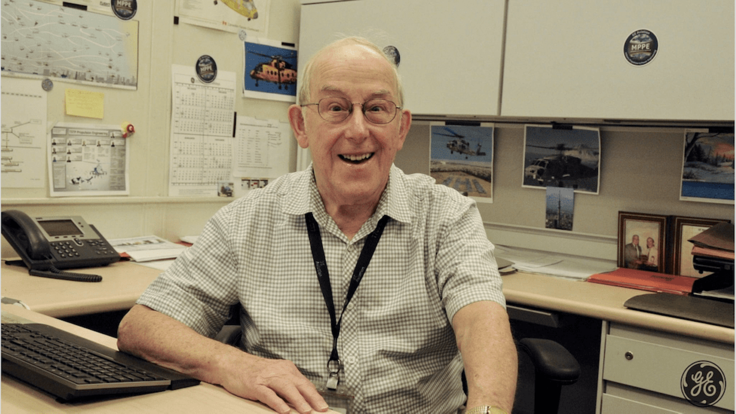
point(350, 110)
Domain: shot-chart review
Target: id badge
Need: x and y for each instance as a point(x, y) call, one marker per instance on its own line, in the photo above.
point(339, 401)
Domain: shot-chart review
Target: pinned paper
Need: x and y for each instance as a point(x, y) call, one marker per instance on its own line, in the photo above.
point(86, 104)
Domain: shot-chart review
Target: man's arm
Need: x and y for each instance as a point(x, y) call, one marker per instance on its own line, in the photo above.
point(489, 355)
point(167, 342)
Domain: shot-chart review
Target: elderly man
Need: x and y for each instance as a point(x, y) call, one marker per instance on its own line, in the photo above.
point(353, 279)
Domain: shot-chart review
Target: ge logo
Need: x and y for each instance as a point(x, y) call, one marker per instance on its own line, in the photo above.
point(703, 383)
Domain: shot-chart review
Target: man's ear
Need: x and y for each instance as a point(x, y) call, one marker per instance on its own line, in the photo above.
point(404, 125)
point(296, 119)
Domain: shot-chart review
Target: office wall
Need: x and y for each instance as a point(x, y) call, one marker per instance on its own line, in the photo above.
point(148, 209)
point(640, 172)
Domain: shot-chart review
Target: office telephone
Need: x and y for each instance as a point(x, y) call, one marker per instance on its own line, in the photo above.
point(48, 244)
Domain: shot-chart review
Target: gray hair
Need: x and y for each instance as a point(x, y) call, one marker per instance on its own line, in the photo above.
point(352, 40)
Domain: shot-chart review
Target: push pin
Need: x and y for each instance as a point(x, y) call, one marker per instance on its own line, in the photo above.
point(128, 129)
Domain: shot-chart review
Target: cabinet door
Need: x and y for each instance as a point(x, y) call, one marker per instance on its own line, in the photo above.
point(450, 52)
point(566, 59)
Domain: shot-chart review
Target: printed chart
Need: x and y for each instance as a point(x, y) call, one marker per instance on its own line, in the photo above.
point(43, 40)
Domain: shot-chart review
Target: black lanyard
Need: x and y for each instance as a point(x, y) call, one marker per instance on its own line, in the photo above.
point(320, 264)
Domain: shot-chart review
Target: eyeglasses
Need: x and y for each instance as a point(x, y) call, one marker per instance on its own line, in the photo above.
point(336, 110)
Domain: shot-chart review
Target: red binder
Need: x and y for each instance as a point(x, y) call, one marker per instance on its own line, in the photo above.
point(643, 280)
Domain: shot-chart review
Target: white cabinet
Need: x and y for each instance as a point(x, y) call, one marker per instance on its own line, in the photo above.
point(450, 52)
point(646, 371)
point(566, 58)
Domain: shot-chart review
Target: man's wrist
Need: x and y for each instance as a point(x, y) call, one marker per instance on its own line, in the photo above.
point(485, 409)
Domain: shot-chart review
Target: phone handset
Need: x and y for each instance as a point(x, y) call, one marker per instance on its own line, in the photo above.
point(29, 242)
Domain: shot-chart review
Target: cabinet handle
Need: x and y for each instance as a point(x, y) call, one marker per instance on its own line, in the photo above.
point(629, 356)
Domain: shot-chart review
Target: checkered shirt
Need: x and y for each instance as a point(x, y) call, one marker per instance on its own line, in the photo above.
point(396, 345)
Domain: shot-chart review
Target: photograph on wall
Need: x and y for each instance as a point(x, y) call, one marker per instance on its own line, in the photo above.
point(461, 157)
point(566, 158)
point(228, 15)
point(685, 228)
point(559, 210)
point(270, 70)
point(707, 167)
point(642, 241)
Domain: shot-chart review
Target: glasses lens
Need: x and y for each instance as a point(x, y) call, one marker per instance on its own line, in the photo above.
point(379, 111)
point(334, 109)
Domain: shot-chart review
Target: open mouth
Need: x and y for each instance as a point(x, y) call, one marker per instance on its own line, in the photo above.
point(356, 159)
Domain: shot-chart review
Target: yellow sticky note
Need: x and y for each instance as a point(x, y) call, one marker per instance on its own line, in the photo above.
point(83, 103)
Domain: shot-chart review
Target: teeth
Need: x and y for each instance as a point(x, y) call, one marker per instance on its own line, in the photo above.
point(356, 158)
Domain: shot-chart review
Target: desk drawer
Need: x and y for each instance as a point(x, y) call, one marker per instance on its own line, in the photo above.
point(617, 405)
point(659, 368)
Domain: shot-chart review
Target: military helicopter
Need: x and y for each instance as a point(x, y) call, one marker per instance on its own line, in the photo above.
point(459, 144)
point(244, 7)
point(276, 70)
point(570, 164)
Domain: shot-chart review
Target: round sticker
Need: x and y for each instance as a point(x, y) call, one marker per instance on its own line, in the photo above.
point(124, 9)
point(393, 54)
point(206, 68)
point(641, 47)
point(242, 35)
point(47, 85)
point(703, 383)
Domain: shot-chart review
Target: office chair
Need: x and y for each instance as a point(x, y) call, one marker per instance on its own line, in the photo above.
point(554, 366)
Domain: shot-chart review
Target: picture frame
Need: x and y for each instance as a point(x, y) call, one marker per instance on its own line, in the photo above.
point(642, 241)
point(683, 229)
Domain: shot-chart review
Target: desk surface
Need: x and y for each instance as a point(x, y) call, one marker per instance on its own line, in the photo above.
point(18, 397)
point(123, 282)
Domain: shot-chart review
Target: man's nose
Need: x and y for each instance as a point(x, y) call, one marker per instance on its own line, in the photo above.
point(357, 126)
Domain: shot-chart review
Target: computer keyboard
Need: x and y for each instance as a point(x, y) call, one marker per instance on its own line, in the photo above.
point(70, 367)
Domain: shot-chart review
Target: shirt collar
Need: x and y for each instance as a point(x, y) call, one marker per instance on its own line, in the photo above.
point(303, 197)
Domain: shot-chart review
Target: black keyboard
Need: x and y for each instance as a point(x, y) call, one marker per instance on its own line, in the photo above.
point(71, 367)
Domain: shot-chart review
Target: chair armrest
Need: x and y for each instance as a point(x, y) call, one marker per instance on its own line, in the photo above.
point(551, 360)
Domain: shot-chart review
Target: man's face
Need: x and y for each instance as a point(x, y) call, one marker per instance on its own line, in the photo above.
point(635, 240)
point(351, 159)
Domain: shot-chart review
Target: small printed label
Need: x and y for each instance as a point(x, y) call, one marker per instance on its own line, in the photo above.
point(641, 47)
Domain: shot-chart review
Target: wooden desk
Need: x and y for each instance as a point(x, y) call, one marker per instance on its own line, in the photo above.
point(18, 398)
point(600, 302)
point(122, 283)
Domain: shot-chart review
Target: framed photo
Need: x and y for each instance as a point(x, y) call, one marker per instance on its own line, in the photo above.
point(683, 229)
point(642, 239)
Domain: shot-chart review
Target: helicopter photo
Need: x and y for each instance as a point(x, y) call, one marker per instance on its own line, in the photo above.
point(275, 70)
point(245, 8)
point(460, 145)
point(455, 164)
point(572, 164)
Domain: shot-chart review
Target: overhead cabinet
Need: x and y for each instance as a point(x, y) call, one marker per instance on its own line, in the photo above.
point(651, 59)
point(450, 53)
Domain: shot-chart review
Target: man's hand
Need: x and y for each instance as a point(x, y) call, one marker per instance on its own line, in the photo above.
point(169, 343)
point(276, 383)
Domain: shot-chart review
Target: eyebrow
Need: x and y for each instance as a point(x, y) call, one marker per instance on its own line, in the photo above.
point(378, 93)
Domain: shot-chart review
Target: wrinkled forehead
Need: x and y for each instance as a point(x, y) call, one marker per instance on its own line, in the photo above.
point(361, 62)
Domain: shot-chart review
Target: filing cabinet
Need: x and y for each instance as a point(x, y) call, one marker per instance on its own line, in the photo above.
point(653, 372)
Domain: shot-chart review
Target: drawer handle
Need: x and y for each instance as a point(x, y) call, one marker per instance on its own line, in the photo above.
point(629, 356)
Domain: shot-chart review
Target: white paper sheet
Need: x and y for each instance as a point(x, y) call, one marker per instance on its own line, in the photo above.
point(24, 133)
point(87, 160)
point(201, 133)
point(261, 148)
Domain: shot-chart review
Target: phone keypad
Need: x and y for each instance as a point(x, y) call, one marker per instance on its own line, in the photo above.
point(65, 249)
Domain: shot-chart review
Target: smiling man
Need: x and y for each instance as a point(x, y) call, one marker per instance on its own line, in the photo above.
point(358, 285)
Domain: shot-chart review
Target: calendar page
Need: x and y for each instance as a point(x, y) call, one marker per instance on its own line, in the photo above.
point(202, 121)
